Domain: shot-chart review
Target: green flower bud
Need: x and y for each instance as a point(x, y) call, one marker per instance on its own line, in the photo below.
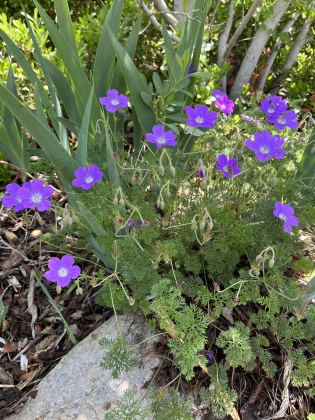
point(161, 170)
point(172, 171)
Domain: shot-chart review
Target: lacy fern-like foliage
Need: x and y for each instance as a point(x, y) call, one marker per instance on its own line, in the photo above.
point(127, 409)
point(118, 358)
point(218, 396)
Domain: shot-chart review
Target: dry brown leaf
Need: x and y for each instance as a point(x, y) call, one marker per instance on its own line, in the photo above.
point(77, 315)
point(254, 394)
point(9, 347)
point(5, 377)
point(28, 376)
point(12, 262)
point(45, 343)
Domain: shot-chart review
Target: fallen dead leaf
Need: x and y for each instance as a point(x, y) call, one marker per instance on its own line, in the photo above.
point(77, 315)
point(28, 376)
point(45, 343)
point(9, 347)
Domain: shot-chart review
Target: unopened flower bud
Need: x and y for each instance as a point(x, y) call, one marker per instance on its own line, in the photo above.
point(115, 201)
point(273, 181)
point(194, 225)
point(271, 262)
point(162, 204)
point(172, 171)
point(161, 170)
point(202, 224)
point(203, 184)
point(121, 202)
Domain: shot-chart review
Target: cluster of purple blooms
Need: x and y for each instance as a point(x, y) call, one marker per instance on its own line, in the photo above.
point(276, 110)
point(32, 195)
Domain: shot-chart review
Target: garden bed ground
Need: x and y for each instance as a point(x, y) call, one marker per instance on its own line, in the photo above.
point(33, 329)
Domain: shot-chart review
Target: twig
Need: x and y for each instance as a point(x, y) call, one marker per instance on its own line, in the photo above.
point(153, 20)
point(7, 246)
point(17, 168)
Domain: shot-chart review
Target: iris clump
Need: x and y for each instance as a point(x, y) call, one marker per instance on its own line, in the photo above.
point(113, 101)
point(62, 271)
point(266, 146)
point(285, 213)
point(86, 178)
point(161, 138)
point(227, 166)
point(200, 116)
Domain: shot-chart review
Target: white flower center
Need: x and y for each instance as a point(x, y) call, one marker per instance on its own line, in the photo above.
point(62, 272)
point(88, 179)
point(115, 102)
point(282, 217)
point(37, 198)
point(199, 120)
point(161, 140)
point(223, 106)
point(271, 110)
point(264, 150)
point(281, 120)
point(226, 168)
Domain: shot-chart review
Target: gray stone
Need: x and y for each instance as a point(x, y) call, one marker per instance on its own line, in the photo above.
point(79, 389)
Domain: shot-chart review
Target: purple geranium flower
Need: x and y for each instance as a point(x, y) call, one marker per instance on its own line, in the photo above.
point(14, 199)
point(210, 356)
point(227, 166)
point(266, 146)
point(250, 119)
point(224, 104)
point(284, 120)
point(62, 271)
point(34, 195)
point(273, 105)
point(161, 138)
point(285, 213)
point(86, 178)
point(113, 101)
point(200, 116)
point(217, 93)
point(191, 69)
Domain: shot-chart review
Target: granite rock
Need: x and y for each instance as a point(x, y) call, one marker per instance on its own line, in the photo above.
point(79, 389)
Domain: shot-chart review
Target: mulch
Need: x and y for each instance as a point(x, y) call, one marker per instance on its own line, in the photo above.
point(32, 337)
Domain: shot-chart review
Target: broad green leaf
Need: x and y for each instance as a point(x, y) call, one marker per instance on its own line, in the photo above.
point(147, 99)
point(62, 132)
point(65, 24)
point(9, 153)
point(43, 136)
point(307, 171)
point(30, 73)
point(13, 135)
point(39, 109)
point(65, 92)
point(136, 84)
point(105, 54)
point(81, 154)
point(157, 83)
point(82, 86)
point(193, 27)
point(113, 173)
point(205, 75)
